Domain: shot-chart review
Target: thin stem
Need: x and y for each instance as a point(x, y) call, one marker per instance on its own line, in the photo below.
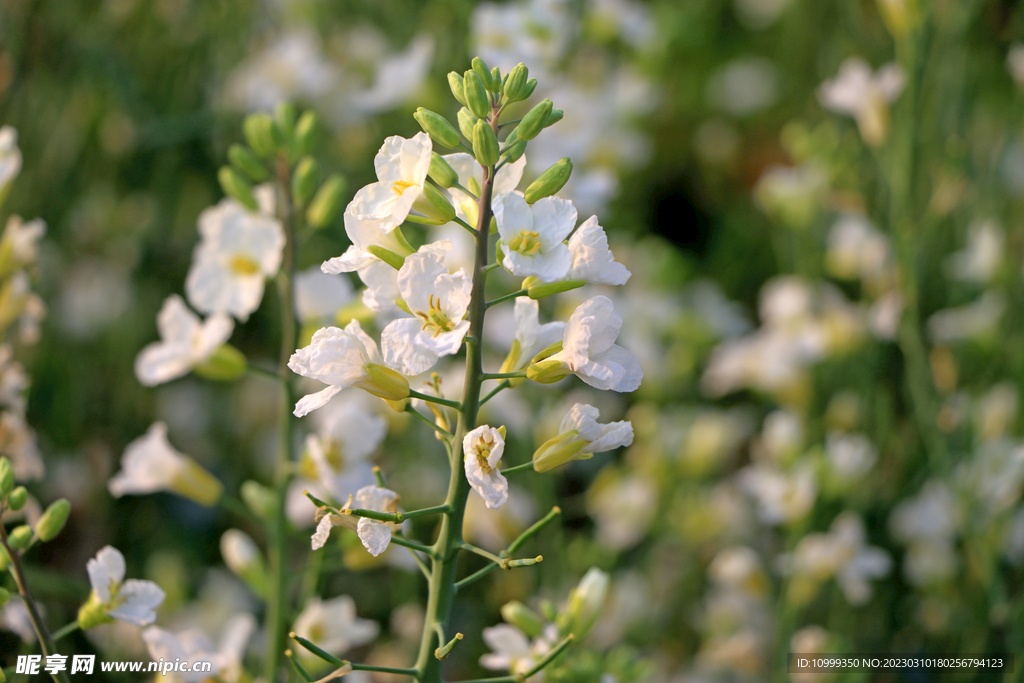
point(426, 420)
point(435, 399)
point(519, 468)
point(413, 545)
point(504, 375)
point(263, 373)
point(483, 553)
point(420, 563)
point(519, 678)
point(395, 517)
point(509, 123)
point(460, 188)
point(65, 630)
point(504, 384)
point(501, 165)
point(237, 507)
point(513, 295)
point(385, 669)
point(465, 225)
point(493, 266)
point(303, 674)
point(513, 547)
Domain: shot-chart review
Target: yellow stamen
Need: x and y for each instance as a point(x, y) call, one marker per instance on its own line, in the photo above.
point(400, 186)
point(435, 320)
point(244, 265)
point(527, 243)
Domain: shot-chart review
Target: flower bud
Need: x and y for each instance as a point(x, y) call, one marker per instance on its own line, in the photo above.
point(554, 117)
point(547, 371)
point(496, 80)
point(476, 95)
point(387, 256)
point(53, 520)
point(385, 383)
point(225, 365)
point(466, 123)
point(557, 451)
point(257, 130)
point(6, 477)
point(516, 151)
point(531, 85)
point(485, 144)
point(437, 127)
point(236, 187)
point(541, 291)
point(249, 164)
point(533, 123)
point(485, 74)
point(195, 483)
point(305, 133)
point(586, 601)
point(458, 90)
point(244, 559)
point(515, 85)
point(327, 202)
point(284, 116)
point(550, 181)
point(258, 498)
point(18, 498)
point(441, 171)
point(93, 613)
point(547, 352)
point(305, 180)
point(432, 207)
point(20, 537)
point(523, 618)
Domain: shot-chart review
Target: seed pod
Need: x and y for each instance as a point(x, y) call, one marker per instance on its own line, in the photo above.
point(53, 520)
point(441, 171)
point(455, 83)
point(476, 95)
point(305, 133)
point(236, 187)
point(485, 74)
point(327, 201)
point(550, 181)
point(242, 158)
point(515, 85)
point(485, 144)
point(466, 123)
point(437, 127)
point(533, 123)
point(305, 180)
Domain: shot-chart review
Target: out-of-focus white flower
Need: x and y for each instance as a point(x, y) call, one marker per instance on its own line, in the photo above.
point(14, 617)
point(151, 464)
point(93, 294)
point(401, 167)
point(592, 260)
point(18, 442)
point(976, 319)
point(192, 646)
point(850, 455)
point(781, 496)
point(579, 437)
point(623, 508)
point(1015, 63)
point(995, 411)
point(883, 316)
point(533, 236)
point(397, 78)
point(757, 15)
point(739, 568)
point(589, 351)
point(792, 194)
point(866, 96)
point(238, 251)
point(980, 261)
point(471, 176)
point(534, 32)
point(19, 245)
point(438, 300)
point(586, 601)
point(931, 514)
point(334, 626)
point(364, 233)
point(292, 68)
point(743, 86)
point(531, 337)
point(185, 342)
point(782, 435)
point(337, 455)
point(482, 449)
point(10, 158)
point(374, 535)
point(512, 651)
point(994, 476)
point(319, 295)
point(857, 250)
point(132, 601)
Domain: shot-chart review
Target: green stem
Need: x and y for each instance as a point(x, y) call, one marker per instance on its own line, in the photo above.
point(435, 399)
point(483, 553)
point(413, 545)
point(466, 225)
point(504, 375)
point(519, 678)
point(459, 187)
point(513, 295)
point(513, 547)
point(263, 373)
point(65, 630)
point(504, 384)
point(426, 420)
point(519, 468)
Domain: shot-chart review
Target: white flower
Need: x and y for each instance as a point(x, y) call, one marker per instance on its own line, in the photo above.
point(623, 508)
point(21, 239)
point(482, 449)
point(132, 601)
point(334, 626)
point(381, 280)
point(588, 348)
point(336, 357)
point(857, 92)
point(857, 250)
point(193, 647)
point(592, 260)
point(338, 455)
point(532, 236)
point(471, 176)
point(531, 337)
point(319, 295)
point(239, 249)
point(10, 157)
point(587, 599)
point(364, 233)
point(781, 496)
point(185, 342)
point(375, 535)
point(401, 167)
point(512, 650)
point(980, 261)
point(850, 455)
point(151, 464)
point(1014, 62)
point(580, 436)
point(976, 319)
point(398, 76)
point(439, 301)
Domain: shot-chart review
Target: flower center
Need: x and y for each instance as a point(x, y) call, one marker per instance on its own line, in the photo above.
point(435, 320)
point(482, 451)
point(400, 186)
point(527, 243)
point(243, 265)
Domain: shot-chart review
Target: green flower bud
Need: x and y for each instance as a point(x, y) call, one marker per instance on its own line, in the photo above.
point(458, 90)
point(485, 144)
point(244, 559)
point(523, 618)
point(431, 208)
point(305, 180)
point(53, 520)
point(5, 559)
point(6, 477)
point(5, 596)
point(93, 613)
point(327, 202)
point(441, 171)
point(531, 85)
point(257, 129)
point(258, 498)
point(554, 117)
point(385, 383)
point(516, 151)
point(225, 365)
point(547, 371)
point(20, 537)
point(550, 181)
point(547, 352)
point(533, 123)
point(476, 95)
point(550, 288)
point(18, 498)
point(515, 85)
point(485, 74)
point(387, 256)
point(305, 133)
point(437, 127)
point(586, 601)
point(236, 187)
point(557, 451)
point(496, 80)
point(245, 161)
point(466, 123)
point(285, 116)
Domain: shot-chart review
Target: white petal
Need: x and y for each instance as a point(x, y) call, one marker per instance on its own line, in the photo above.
point(444, 344)
point(323, 532)
point(141, 598)
point(356, 330)
point(507, 640)
point(592, 260)
point(161, 362)
point(417, 277)
point(507, 179)
point(401, 350)
point(615, 369)
point(375, 535)
point(352, 260)
point(175, 322)
point(311, 402)
point(549, 266)
point(554, 219)
point(614, 435)
point(106, 572)
point(512, 214)
point(454, 290)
